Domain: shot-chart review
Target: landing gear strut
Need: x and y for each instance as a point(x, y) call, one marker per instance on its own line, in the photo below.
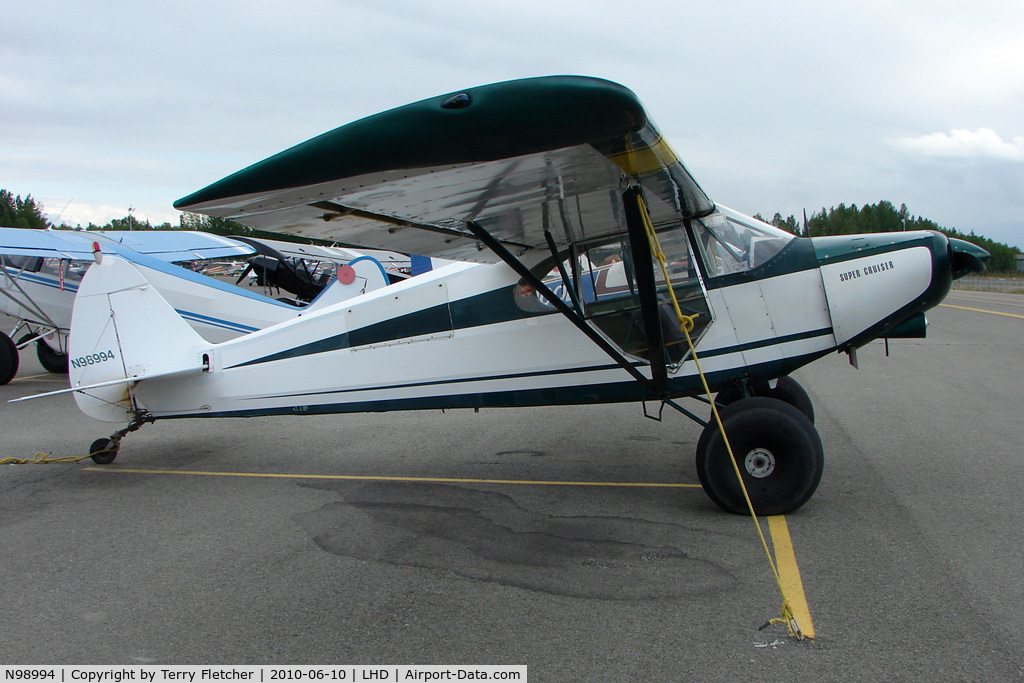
point(52, 361)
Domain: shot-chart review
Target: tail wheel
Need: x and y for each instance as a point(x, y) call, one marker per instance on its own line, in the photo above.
point(103, 451)
point(9, 359)
point(778, 451)
point(786, 389)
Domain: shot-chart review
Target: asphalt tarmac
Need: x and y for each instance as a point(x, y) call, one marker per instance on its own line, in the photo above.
point(413, 538)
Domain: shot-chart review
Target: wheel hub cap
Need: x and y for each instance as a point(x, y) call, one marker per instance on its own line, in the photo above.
point(759, 463)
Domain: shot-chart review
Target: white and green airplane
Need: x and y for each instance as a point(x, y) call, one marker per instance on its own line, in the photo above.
point(578, 232)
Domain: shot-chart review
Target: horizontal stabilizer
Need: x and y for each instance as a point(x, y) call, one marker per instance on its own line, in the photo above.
point(113, 382)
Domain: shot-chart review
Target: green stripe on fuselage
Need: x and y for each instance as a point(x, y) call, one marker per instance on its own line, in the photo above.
point(489, 308)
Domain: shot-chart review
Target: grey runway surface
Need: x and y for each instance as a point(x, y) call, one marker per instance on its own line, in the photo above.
point(191, 549)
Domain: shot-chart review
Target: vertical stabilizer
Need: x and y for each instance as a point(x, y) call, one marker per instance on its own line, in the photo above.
point(358, 276)
point(121, 328)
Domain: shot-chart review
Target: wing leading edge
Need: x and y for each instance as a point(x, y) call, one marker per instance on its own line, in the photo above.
point(522, 160)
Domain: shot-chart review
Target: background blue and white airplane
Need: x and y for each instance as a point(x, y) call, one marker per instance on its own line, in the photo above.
point(40, 272)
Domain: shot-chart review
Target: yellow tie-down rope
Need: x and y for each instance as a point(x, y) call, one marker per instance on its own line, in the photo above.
point(43, 459)
point(686, 324)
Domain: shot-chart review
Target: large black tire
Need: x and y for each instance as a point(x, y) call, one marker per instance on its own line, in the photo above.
point(786, 389)
point(9, 359)
point(53, 361)
point(778, 451)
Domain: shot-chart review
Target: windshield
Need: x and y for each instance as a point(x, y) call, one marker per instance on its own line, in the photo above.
point(732, 243)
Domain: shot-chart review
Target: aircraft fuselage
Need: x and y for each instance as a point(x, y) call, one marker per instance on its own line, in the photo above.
point(459, 337)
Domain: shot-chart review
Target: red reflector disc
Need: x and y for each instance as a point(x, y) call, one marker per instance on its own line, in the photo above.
point(346, 274)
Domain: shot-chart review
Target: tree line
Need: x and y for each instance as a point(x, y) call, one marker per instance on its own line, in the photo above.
point(885, 217)
point(16, 212)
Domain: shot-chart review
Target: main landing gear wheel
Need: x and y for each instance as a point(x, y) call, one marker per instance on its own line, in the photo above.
point(786, 389)
point(103, 451)
point(9, 359)
point(778, 451)
point(53, 361)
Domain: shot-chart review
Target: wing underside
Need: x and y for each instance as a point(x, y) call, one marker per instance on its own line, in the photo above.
point(530, 162)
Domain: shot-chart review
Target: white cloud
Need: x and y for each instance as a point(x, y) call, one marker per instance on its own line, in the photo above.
point(83, 213)
point(983, 143)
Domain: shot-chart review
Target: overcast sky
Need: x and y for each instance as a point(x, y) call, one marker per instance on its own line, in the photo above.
point(772, 106)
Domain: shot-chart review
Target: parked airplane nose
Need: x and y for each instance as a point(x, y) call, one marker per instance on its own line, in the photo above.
point(876, 282)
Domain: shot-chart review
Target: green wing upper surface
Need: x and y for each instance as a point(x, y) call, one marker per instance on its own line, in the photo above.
point(520, 158)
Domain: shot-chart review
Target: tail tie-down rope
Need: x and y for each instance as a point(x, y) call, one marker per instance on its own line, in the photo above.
point(43, 459)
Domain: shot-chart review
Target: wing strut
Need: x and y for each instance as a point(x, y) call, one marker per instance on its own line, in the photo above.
point(515, 264)
point(28, 303)
point(647, 287)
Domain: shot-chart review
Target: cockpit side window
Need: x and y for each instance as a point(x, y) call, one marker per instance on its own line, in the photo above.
point(30, 264)
point(602, 285)
point(70, 272)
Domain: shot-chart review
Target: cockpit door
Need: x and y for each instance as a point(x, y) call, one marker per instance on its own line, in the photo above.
point(607, 286)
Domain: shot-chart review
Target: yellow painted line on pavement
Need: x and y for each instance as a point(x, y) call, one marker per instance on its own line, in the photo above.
point(45, 377)
point(983, 310)
point(789, 573)
point(371, 477)
point(990, 300)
